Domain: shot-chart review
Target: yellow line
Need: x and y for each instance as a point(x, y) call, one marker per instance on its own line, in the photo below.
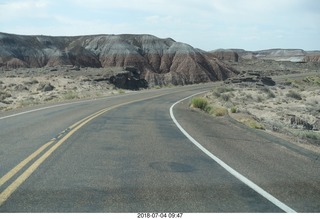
point(17, 168)
point(25, 175)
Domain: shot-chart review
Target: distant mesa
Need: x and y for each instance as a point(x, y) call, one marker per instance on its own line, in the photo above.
point(291, 55)
point(159, 61)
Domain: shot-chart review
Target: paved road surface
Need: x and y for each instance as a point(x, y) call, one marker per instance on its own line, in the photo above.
point(125, 154)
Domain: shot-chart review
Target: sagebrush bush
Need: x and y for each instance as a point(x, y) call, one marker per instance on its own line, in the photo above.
point(269, 92)
point(294, 94)
point(220, 90)
point(225, 97)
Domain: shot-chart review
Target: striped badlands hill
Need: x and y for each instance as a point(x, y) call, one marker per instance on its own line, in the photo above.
point(161, 61)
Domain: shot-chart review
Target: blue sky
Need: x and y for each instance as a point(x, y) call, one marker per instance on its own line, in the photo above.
point(205, 24)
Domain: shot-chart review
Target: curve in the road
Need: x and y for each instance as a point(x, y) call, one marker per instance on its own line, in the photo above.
point(61, 138)
point(239, 176)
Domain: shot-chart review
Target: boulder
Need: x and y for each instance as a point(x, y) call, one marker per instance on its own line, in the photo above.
point(252, 78)
point(45, 87)
point(129, 79)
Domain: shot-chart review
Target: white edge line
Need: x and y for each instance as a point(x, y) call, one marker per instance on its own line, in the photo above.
point(242, 178)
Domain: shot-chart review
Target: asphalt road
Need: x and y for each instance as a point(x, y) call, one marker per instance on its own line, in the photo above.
point(125, 154)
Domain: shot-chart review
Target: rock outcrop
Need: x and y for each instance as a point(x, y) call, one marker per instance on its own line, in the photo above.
point(160, 61)
point(251, 78)
point(129, 79)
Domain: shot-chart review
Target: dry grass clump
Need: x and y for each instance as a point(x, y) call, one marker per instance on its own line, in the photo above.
point(219, 111)
point(250, 122)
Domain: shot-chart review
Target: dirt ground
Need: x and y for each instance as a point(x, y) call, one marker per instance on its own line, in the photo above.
point(26, 87)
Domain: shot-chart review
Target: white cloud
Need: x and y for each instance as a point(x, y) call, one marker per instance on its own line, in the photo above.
point(19, 9)
point(206, 24)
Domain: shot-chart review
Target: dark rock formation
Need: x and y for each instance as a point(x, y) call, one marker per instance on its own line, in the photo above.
point(160, 61)
point(252, 78)
point(129, 79)
point(45, 87)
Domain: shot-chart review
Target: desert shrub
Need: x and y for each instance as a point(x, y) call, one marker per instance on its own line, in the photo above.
point(271, 95)
point(233, 109)
point(294, 94)
point(269, 92)
point(220, 90)
point(225, 97)
point(4, 95)
point(311, 136)
point(70, 95)
point(249, 96)
point(200, 103)
point(219, 111)
point(252, 123)
point(315, 80)
point(120, 91)
point(287, 83)
point(224, 89)
point(216, 94)
point(208, 109)
point(259, 98)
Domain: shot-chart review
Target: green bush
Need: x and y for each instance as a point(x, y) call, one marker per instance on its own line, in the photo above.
point(200, 103)
point(233, 109)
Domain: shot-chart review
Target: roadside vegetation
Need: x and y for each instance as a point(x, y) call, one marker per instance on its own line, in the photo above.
point(291, 108)
point(203, 104)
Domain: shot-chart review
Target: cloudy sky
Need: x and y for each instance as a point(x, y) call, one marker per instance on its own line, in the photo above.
point(205, 24)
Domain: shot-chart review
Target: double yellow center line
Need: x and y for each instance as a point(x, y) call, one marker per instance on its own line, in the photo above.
point(54, 143)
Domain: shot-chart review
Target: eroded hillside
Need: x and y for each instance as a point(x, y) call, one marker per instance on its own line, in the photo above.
point(160, 61)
